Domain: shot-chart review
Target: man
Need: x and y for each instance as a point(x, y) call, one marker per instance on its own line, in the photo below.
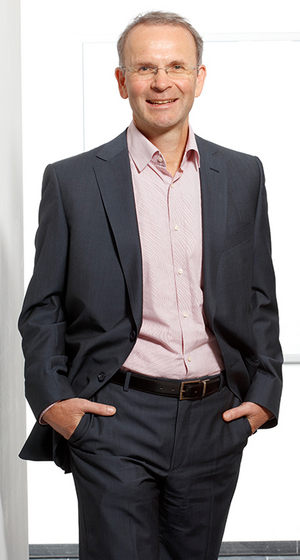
point(150, 324)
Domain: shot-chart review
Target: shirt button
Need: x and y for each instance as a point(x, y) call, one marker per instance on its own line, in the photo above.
point(176, 228)
point(160, 159)
point(172, 185)
point(180, 271)
point(189, 359)
point(185, 315)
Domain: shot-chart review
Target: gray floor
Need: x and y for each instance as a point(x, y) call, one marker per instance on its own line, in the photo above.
point(220, 558)
point(262, 550)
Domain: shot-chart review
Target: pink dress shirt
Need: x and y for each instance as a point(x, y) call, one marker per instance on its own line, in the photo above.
point(174, 340)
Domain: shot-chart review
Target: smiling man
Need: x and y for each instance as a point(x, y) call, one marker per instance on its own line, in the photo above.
point(150, 325)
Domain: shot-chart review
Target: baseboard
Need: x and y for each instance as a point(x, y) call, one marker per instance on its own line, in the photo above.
point(260, 548)
point(43, 551)
point(251, 548)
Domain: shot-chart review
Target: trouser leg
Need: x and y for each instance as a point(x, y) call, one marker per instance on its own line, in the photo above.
point(198, 490)
point(117, 464)
point(155, 481)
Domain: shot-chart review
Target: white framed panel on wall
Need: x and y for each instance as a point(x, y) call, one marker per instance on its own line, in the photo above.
point(250, 103)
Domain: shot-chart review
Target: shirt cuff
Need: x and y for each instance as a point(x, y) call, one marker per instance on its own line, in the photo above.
point(41, 421)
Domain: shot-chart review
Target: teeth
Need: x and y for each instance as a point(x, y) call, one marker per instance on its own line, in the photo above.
point(162, 102)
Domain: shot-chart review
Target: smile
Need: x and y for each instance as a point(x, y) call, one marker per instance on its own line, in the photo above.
point(157, 102)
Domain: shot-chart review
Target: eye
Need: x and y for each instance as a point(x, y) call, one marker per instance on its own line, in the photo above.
point(145, 69)
point(178, 70)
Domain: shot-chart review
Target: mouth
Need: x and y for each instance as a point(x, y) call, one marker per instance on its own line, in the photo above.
point(161, 102)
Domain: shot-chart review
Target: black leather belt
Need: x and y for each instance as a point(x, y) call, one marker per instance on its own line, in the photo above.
point(183, 390)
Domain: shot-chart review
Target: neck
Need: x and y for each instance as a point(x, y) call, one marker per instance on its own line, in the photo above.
point(171, 144)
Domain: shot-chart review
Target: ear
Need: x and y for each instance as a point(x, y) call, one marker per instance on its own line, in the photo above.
point(200, 80)
point(120, 77)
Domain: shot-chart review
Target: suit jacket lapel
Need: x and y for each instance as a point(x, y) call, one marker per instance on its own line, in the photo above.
point(112, 170)
point(214, 213)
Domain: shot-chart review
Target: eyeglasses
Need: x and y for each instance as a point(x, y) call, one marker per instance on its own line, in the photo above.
point(173, 71)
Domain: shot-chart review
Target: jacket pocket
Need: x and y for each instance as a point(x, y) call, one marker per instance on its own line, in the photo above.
point(239, 237)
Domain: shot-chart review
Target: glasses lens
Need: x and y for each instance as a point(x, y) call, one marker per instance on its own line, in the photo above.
point(178, 70)
point(145, 70)
point(173, 71)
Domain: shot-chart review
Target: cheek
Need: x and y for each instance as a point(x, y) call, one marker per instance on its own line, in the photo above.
point(186, 89)
point(191, 93)
point(136, 92)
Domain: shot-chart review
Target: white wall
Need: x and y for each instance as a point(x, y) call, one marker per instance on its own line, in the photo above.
point(13, 502)
point(250, 102)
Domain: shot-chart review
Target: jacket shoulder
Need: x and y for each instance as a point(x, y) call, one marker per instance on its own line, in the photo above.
point(237, 164)
point(227, 154)
point(84, 159)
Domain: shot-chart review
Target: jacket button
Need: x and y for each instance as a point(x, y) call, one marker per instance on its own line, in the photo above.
point(101, 376)
point(132, 336)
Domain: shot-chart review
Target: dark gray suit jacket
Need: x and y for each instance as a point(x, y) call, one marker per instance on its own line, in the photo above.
point(83, 307)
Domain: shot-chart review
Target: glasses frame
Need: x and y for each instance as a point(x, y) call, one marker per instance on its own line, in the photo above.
point(155, 69)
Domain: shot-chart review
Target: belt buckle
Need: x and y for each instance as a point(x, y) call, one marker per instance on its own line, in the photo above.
point(182, 389)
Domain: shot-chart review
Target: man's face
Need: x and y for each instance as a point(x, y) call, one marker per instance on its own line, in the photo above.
point(160, 46)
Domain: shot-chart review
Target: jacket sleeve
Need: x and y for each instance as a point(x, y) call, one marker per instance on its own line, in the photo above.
point(266, 385)
point(42, 322)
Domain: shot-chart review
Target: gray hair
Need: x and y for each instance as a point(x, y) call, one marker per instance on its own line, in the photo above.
point(160, 18)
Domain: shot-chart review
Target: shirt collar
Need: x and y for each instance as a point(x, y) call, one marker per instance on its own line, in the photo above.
point(141, 150)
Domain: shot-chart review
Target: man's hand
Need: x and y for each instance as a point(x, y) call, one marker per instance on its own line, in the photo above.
point(64, 416)
point(257, 415)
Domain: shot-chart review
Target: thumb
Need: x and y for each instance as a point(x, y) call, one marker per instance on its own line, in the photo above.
point(98, 408)
point(234, 413)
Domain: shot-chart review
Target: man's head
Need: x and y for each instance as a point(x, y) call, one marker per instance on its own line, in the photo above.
point(160, 72)
point(159, 19)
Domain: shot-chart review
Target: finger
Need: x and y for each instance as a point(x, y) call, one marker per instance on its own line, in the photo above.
point(234, 413)
point(98, 408)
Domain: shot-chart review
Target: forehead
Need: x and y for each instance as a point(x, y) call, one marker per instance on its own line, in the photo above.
point(149, 42)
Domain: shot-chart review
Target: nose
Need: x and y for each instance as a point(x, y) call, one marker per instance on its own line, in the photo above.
point(161, 80)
